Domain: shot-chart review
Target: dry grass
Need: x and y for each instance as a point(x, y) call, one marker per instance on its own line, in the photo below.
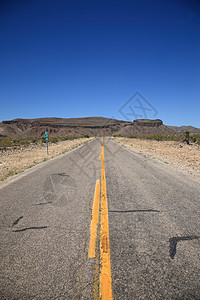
point(14, 161)
point(183, 157)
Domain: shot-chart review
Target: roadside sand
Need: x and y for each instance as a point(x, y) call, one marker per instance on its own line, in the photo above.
point(182, 157)
point(15, 161)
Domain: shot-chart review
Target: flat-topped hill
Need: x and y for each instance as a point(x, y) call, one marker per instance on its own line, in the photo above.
point(93, 126)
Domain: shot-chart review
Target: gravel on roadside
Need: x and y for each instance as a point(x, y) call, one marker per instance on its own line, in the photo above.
point(182, 157)
point(14, 161)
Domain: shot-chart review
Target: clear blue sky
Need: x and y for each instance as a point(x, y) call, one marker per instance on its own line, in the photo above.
point(68, 58)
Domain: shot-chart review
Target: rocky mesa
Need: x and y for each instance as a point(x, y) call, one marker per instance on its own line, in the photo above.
point(92, 126)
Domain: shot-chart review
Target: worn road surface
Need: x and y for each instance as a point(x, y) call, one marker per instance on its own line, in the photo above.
point(154, 228)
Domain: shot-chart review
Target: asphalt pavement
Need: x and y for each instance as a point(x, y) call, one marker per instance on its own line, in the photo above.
point(154, 228)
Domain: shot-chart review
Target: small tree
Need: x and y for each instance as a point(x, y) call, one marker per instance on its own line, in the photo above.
point(187, 136)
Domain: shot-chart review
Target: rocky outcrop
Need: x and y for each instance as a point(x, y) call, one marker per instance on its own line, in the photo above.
point(148, 123)
point(146, 127)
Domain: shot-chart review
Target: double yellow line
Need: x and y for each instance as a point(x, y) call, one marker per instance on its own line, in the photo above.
point(105, 282)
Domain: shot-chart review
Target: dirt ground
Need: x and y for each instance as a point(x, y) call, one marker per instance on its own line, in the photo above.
point(13, 161)
point(182, 157)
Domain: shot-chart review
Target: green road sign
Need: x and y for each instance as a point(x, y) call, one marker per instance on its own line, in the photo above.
point(46, 136)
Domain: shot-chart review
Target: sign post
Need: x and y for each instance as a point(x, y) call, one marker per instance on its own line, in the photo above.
point(47, 139)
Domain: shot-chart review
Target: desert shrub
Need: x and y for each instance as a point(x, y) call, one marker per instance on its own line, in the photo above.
point(195, 138)
point(6, 142)
point(16, 142)
point(25, 142)
point(157, 137)
point(54, 139)
point(86, 136)
point(66, 138)
point(33, 140)
point(187, 137)
point(129, 136)
point(13, 142)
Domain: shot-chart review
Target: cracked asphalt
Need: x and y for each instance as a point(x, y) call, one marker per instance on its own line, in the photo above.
point(154, 228)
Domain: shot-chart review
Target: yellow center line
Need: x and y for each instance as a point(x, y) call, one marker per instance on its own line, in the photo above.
point(105, 282)
point(105, 289)
point(94, 221)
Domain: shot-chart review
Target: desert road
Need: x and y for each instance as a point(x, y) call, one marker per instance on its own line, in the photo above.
point(100, 222)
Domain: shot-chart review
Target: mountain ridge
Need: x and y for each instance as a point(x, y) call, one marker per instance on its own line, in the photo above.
point(93, 126)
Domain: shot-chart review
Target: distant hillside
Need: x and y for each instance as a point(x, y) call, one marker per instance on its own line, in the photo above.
point(181, 129)
point(146, 127)
point(93, 126)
